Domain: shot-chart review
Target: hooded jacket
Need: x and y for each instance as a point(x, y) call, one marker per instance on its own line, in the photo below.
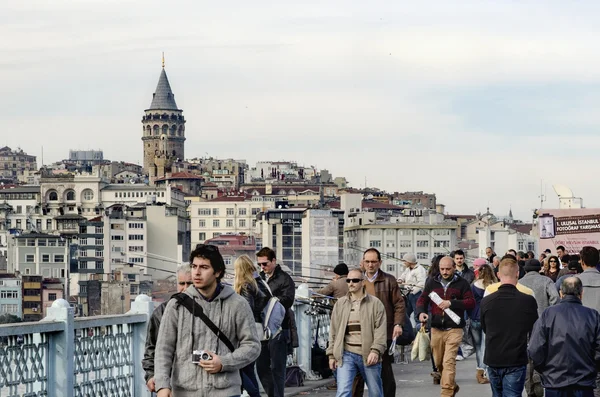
point(181, 333)
point(543, 290)
point(151, 336)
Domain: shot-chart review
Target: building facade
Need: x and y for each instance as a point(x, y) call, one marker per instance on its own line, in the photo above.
point(11, 295)
point(14, 164)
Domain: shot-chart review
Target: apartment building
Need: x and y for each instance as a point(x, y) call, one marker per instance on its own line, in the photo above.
point(226, 215)
point(11, 295)
point(13, 163)
point(32, 298)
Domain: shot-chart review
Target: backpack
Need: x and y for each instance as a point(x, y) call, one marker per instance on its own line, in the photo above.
point(319, 359)
point(273, 313)
point(294, 376)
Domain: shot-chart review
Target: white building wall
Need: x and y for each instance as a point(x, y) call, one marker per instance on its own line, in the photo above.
point(320, 245)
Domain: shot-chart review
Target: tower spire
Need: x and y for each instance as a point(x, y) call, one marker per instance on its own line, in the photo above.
point(163, 59)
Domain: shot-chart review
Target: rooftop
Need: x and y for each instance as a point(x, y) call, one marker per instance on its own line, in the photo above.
point(163, 98)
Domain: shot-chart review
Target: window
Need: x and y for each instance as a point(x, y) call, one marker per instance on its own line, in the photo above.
point(87, 195)
point(117, 226)
point(229, 222)
point(216, 234)
point(390, 244)
point(230, 211)
point(9, 295)
point(441, 232)
point(215, 212)
point(99, 254)
point(99, 241)
point(136, 225)
point(202, 236)
point(136, 237)
point(136, 260)
point(70, 195)
point(52, 297)
point(99, 230)
point(202, 223)
point(227, 260)
point(42, 242)
point(59, 258)
point(405, 243)
point(51, 243)
point(216, 223)
point(391, 268)
point(375, 232)
point(242, 211)
point(255, 211)
point(48, 224)
point(45, 258)
point(531, 246)
point(405, 232)
point(133, 289)
point(30, 242)
point(19, 209)
point(422, 243)
point(441, 244)
point(136, 248)
point(83, 264)
point(422, 232)
point(83, 289)
point(390, 232)
point(29, 258)
point(422, 255)
point(521, 246)
point(375, 243)
point(242, 223)
point(116, 238)
point(83, 253)
point(53, 196)
point(204, 211)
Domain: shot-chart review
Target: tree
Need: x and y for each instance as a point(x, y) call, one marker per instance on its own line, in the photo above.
point(9, 319)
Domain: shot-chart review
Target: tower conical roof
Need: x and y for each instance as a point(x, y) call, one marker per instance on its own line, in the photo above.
point(163, 98)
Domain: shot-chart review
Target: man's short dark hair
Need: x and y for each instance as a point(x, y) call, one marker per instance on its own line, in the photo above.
point(210, 253)
point(565, 259)
point(530, 254)
point(571, 286)
point(509, 256)
point(590, 256)
point(521, 255)
point(268, 252)
point(373, 250)
point(458, 252)
point(560, 247)
point(514, 253)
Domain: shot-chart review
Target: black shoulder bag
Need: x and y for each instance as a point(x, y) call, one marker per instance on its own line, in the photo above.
point(193, 307)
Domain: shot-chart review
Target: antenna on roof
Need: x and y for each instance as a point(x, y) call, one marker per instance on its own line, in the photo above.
point(163, 59)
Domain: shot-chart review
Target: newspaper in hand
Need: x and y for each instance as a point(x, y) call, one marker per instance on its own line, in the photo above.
point(437, 300)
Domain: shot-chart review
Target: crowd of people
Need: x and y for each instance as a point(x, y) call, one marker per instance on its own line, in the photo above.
point(533, 323)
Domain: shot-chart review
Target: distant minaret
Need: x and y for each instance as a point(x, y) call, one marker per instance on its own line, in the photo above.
point(162, 121)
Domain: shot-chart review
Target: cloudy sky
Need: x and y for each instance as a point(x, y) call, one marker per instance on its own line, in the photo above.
point(476, 101)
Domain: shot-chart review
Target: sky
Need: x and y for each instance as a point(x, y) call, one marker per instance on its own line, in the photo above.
point(486, 104)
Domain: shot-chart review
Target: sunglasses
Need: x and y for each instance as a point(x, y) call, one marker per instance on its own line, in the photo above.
point(188, 283)
point(552, 261)
point(353, 280)
point(261, 264)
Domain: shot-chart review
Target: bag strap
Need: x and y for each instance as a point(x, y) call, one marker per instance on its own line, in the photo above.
point(272, 302)
point(194, 307)
point(267, 286)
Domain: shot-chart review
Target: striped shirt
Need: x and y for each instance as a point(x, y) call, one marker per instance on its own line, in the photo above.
point(353, 339)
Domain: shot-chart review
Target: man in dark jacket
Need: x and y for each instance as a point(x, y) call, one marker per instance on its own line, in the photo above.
point(462, 269)
point(385, 287)
point(184, 280)
point(273, 356)
point(507, 317)
point(446, 335)
point(565, 344)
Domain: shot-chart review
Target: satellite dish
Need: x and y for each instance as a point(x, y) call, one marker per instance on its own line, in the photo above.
point(562, 191)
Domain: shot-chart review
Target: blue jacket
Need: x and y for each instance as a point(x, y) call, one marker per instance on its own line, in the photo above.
point(565, 345)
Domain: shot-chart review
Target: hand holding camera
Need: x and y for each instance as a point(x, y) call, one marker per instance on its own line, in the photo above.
point(207, 360)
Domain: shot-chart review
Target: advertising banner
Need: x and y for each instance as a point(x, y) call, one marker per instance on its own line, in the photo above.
point(571, 228)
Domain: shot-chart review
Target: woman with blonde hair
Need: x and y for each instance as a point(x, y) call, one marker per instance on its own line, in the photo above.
point(485, 277)
point(245, 284)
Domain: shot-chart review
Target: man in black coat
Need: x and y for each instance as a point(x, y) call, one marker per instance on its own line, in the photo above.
point(565, 344)
point(507, 317)
point(271, 364)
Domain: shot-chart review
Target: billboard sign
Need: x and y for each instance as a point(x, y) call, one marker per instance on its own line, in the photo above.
point(571, 228)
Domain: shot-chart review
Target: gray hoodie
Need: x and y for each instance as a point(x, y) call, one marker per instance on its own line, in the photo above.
point(543, 288)
point(179, 328)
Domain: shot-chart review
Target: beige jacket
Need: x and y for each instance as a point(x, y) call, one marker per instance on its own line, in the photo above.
point(336, 288)
point(372, 327)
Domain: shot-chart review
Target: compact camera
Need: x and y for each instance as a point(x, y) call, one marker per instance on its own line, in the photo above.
point(200, 355)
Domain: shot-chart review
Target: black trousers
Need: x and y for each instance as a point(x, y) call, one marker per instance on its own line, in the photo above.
point(271, 364)
point(387, 377)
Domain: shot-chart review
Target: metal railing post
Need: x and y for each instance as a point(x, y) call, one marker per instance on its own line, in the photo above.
point(61, 351)
point(303, 324)
point(142, 305)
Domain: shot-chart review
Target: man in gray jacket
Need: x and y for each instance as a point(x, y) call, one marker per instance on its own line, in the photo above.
point(181, 333)
point(184, 280)
point(544, 290)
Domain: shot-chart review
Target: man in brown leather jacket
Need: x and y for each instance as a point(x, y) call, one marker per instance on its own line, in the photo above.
point(385, 287)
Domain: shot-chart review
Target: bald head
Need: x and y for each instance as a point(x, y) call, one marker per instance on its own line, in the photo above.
point(571, 286)
point(447, 267)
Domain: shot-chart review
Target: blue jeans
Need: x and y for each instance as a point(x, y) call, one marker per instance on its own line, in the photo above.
point(249, 381)
point(507, 382)
point(412, 304)
point(351, 365)
point(271, 364)
point(479, 341)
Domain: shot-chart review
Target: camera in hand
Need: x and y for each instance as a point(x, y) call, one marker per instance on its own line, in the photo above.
point(200, 355)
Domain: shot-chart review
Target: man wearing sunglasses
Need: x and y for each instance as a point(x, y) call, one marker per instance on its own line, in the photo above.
point(357, 337)
point(271, 364)
point(184, 280)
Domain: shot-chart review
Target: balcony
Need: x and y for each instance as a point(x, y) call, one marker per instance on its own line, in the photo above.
point(32, 298)
point(63, 356)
